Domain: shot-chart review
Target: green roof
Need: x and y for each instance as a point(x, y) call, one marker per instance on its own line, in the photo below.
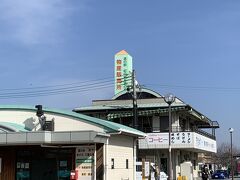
point(14, 126)
point(127, 106)
point(107, 125)
point(142, 90)
point(145, 112)
point(144, 109)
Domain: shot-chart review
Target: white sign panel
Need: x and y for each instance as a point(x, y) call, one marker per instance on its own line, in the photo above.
point(181, 138)
point(204, 143)
point(157, 138)
point(176, 138)
point(85, 162)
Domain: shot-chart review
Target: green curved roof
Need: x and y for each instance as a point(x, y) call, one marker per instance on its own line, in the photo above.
point(142, 90)
point(13, 126)
point(107, 125)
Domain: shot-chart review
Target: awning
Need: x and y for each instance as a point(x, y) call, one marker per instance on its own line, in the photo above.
point(144, 112)
point(52, 138)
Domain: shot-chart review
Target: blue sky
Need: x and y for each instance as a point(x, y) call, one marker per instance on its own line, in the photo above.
point(189, 48)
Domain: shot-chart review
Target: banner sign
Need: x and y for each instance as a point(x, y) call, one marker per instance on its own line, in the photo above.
point(176, 138)
point(85, 162)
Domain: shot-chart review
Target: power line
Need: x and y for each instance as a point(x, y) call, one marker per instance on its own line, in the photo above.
point(196, 87)
point(60, 85)
point(51, 93)
point(46, 91)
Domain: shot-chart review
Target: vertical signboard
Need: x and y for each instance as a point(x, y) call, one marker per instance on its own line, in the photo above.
point(85, 162)
point(181, 138)
point(123, 70)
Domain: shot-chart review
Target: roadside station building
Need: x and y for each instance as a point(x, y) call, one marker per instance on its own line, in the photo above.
point(39, 143)
point(192, 131)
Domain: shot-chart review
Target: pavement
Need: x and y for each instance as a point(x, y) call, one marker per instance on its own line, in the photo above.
point(237, 177)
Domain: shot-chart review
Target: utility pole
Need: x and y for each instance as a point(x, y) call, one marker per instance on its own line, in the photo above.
point(231, 152)
point(135, 118)
point(143, 169)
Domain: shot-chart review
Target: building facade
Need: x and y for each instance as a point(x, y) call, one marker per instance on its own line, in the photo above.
point(192, 132)
point(42, 143)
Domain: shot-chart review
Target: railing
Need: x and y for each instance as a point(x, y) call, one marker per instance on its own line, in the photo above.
point(204, 133)
point(176, 129)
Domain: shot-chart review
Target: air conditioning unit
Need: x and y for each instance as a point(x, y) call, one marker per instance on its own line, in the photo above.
point(48, 126)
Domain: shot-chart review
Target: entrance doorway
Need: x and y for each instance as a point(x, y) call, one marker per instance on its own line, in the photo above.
point(44, 163)
point(44, 169)
point(164, 165)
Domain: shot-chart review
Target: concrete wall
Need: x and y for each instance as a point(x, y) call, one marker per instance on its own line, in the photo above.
point(120, 148)
point(30, 120)
point(182, 156)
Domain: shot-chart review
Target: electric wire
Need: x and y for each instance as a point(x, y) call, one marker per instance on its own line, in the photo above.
point(64, 89)
point(195, 87)
point(60, 85)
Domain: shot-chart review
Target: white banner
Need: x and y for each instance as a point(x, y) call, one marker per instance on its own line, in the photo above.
point(204, 143)
point(176, 138)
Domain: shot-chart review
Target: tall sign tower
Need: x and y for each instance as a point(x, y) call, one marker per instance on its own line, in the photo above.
point(123, 71)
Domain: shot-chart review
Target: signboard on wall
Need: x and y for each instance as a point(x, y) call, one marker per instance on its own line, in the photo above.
point(85, 162)
point(181, 138)
point(176, 138)
point(123, 70)
point(204, 143)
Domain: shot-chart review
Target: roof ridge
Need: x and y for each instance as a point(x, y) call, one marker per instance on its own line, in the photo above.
point(99, 122)
point(122, 52)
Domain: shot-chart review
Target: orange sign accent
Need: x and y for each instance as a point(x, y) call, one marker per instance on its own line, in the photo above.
point(119, 87)
point(119, 68)
point(119, 74)
point(119, 62)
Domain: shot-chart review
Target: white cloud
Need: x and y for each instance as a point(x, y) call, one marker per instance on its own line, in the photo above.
point(34, 21)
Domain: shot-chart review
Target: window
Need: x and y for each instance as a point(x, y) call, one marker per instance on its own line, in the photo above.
point(126, 163)
point(112, 163)
point(139, 168)
point(164, 124)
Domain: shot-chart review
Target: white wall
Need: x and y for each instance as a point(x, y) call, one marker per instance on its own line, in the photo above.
point(30, 120)
point(120, 148)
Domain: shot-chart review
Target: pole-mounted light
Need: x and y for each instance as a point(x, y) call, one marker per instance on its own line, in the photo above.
point(232, 170)
point(169, 99)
